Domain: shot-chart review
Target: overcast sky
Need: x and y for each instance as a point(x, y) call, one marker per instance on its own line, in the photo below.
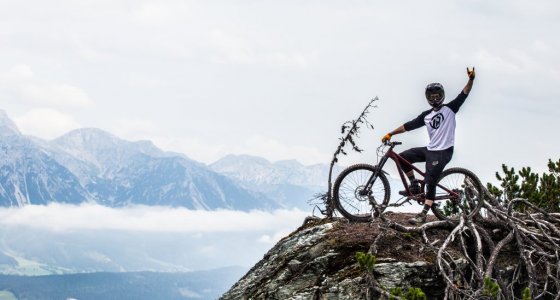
point(278, 78)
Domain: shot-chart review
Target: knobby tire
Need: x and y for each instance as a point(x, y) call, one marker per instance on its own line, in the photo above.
point(467, 185)
point(346, 189)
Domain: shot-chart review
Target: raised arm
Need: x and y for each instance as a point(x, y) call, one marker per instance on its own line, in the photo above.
point(456, 103)
point(468, 87)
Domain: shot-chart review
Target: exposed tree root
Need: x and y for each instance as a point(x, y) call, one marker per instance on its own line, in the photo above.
point(483, 240)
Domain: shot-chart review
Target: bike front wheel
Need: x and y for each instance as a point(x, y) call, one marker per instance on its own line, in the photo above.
point(459, 191)
point(350, 195)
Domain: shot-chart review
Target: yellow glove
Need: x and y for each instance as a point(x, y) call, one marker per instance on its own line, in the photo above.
point(470, 73)
point(386, 138)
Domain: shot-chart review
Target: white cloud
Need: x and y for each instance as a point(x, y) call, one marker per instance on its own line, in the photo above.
point(234, 49)
point(154, 58)
point(45, 123)
point(152, 238)
point(231, 48)
point(154, 13)
point(20, 82)
point(58, 95)
point(62, 217)
point(541, 46)
point(287, 59)
point(555, 73)
point(189, 294)
point(19, 72)
point(497, 63)
point(545, 8)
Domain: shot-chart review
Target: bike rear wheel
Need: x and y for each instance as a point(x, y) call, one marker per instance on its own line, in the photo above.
point(467, 196)
point(352, 200)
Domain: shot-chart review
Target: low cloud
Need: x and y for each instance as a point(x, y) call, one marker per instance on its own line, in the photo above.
point(63, 217)
point(138, 238)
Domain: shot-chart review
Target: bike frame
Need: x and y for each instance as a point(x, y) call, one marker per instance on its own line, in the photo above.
point(390, 154)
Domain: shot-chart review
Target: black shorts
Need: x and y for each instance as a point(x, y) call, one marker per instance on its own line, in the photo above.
point(435, 161)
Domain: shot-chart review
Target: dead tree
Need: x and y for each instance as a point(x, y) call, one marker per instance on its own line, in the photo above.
point(350, 131)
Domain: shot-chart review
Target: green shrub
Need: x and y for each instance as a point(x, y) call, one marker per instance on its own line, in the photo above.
point(415, 294)
point(491, 288)
point(366, 261)
point(411, 294)
point(407, 235)
point(395, 292)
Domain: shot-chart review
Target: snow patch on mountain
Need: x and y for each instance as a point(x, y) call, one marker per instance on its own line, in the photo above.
point(90, 164)
point(7, 126)
point(289, 182)
point(257, 170)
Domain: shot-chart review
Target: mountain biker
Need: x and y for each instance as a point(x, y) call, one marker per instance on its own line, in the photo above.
point(440, 122)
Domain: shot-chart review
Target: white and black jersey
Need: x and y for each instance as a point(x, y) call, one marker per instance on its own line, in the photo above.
point(440, 124)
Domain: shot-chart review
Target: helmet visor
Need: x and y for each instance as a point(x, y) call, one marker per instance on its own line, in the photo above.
point(435, 95)
point(435, 99)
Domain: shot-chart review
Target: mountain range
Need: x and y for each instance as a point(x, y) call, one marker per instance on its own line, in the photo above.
point(288, 182)
point(92, 165)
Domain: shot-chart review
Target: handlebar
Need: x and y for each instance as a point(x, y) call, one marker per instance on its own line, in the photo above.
point(382, 150)
point(392, 144)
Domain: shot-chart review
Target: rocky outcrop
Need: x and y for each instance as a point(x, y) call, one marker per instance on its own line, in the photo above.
point(317, 262)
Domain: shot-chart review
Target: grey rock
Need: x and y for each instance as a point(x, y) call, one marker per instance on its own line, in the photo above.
point(309, 264)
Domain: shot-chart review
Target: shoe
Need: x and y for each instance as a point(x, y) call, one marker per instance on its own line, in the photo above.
point(418, 219)
point(414, 188)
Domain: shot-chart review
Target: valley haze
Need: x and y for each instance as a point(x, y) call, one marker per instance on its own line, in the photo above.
point(89, 201)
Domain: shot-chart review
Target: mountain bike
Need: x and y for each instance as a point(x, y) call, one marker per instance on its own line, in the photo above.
point(362, 191)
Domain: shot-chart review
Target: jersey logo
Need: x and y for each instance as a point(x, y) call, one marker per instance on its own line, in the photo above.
point(437, 120)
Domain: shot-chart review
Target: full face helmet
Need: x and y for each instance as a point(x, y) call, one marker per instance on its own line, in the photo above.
point(435, 94)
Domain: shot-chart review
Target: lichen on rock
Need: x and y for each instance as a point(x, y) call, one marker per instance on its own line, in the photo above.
point(317, 262)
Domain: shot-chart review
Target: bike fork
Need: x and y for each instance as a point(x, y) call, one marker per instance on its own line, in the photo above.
point(375, 174)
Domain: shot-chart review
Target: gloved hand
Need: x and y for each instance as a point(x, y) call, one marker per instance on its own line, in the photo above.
point(470, 73)
point(386, 138)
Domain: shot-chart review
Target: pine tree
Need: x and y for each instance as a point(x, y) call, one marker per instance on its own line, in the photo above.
point(541, 190)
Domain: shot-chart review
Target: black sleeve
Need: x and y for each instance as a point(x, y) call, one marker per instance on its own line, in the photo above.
point(417, 122)
point(456, 104)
